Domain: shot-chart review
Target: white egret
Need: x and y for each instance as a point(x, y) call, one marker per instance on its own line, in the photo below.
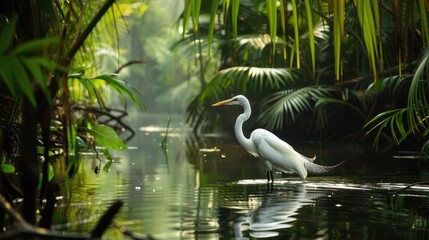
point(271, 149)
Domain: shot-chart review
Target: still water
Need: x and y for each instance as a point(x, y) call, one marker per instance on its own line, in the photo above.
point(209, 188)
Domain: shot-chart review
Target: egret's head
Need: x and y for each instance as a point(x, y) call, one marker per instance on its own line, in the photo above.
point(237, 100)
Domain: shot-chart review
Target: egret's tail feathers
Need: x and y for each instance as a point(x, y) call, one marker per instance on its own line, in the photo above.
point(316, 168)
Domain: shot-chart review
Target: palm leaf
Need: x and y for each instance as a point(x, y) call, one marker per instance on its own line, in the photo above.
point(393, 120)
point(123, 89)
point(418, 96)
point(245, 78)
point(284, 106)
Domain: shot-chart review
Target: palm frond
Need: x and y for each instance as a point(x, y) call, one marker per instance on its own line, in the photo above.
point(284, 106)
point(418, 97)
point(393, 120)
point(245, 79)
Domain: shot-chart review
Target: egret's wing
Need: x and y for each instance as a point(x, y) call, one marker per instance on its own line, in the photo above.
point(316, 168)
point(269, 147)
point(262, 136)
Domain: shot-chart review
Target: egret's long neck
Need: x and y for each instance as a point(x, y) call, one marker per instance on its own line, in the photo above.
point(245, 142)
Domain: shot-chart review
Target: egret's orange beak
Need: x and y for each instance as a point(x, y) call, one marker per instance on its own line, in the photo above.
point(222, 102)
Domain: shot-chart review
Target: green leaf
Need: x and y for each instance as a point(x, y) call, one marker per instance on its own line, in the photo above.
point(106, 137)
point(6, 73)
point(6, 36)
point(35, 45)
point(338, 35)
point(272, 20)
point(186, 14)
point(51, 174)
point(123, 88)
point(7, 168)
point(311, 35)
point(196, 14)
point(35, 69)
point(212, 24)
point(234, 16)
point(296, 31)
point(23, 80)
point(107, 154)
point(107, 166)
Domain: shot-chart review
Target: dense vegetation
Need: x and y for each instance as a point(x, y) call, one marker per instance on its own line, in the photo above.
point(53, 100)
point(322, 70)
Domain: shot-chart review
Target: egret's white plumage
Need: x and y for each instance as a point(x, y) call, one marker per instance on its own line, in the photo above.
point(271, 149)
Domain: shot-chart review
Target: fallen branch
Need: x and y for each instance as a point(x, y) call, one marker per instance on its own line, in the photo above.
point(25, 230)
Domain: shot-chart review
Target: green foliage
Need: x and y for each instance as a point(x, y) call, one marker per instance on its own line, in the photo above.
point(286, 105)
point(414, 119)
point(93, 86)
point(418, 98)
point(5, 167)
point(393, 120)
point(106, 137)
point(51, 174)
point(20, 66)
point(366, 45)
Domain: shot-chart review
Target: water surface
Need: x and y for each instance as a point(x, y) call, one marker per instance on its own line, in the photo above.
point(210, 188)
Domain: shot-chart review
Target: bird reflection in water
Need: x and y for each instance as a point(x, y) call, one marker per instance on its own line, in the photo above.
point(274, 212)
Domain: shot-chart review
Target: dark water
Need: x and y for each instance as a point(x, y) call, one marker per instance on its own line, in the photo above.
point(215, 190)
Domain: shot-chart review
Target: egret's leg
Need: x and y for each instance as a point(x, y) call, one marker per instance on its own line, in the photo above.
point(269, 171)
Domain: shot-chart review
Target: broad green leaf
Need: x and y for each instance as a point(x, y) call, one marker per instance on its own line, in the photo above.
point(7, 168)
point(106, 137)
